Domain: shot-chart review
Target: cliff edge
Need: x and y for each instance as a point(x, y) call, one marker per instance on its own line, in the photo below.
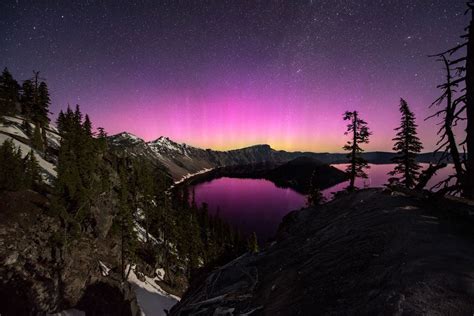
point(369, 252)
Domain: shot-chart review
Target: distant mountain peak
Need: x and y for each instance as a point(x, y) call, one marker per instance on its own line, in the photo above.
point(265, 147)
point(162, 140)
point(126, 136)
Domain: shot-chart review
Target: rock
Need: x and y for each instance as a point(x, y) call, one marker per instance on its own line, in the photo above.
point(11, 259)
point(224, 311)
point(380, 257)
point(103, 211)
point(39, 275)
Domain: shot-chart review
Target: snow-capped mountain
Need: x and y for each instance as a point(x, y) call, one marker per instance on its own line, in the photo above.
point(182, 159)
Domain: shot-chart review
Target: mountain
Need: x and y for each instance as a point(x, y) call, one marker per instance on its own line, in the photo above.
point(183, 160)
point(365, 253)
point(49, 267)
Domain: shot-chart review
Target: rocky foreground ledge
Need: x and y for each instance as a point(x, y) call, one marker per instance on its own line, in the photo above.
point(370, 252)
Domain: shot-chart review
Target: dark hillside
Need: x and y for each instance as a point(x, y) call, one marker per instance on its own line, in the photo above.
point(367, 253)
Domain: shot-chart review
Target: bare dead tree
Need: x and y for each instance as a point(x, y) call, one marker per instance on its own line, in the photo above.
point(458, 105)
point(450, 114)
point(427, 174)
point(469, 106)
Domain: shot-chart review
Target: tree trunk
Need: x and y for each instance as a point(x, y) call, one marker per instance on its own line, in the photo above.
point(353, 155)
point(469, 187)
point(448, 125)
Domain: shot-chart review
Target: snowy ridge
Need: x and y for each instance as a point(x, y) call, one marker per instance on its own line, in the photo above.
point(165, 145)
point(127, 136)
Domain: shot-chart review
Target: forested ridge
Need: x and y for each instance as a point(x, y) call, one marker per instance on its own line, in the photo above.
point(103, 193)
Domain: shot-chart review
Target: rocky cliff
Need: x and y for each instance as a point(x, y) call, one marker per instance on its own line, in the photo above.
point(40, 272)
point(366, 253)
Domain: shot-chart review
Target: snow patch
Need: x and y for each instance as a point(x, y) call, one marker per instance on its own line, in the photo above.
point(13, 130)
point(151, 298)
point(104, 270)
point(141, 234)
point(53, 139)
point(160, 273)
point(13, 119)
point(47, 167)
point(190, 175)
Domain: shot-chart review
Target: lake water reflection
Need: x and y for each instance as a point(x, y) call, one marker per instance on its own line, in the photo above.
point(258, 205)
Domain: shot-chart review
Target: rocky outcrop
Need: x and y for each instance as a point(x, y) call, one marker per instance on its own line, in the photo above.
point(366, 253)
point(41, 272)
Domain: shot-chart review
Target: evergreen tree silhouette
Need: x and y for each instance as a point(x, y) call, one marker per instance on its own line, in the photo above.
point(43, 103)
point(360, 133)
point(9, 93)
point(12, 170)
point(27, 98)
point(32, 174)
point(37, 140)
point(314, 197)
point(407, 145)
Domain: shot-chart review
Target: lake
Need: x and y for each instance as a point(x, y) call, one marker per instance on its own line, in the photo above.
point(259, 205)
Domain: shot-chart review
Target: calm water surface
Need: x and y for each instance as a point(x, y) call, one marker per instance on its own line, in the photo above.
point(258, 205)
point(252, 205)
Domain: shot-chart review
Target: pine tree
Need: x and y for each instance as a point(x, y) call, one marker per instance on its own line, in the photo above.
point(9, 93)
point(43, 103)
point(88, 127)
point(37, 140)
point(78, 183)
point(360, 133)
point(125, 219)
point(27, 98)
point(32, 173)
point(314, 197)
point(407, 145)
point(102, 139)
point(253, 243)
point(11, 167)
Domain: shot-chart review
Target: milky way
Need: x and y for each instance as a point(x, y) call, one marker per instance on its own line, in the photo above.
point(226, 74)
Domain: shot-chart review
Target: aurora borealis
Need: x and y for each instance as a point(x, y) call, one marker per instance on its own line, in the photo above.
point(228, 74)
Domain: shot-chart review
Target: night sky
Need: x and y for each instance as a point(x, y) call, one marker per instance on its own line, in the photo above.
point(226, 74)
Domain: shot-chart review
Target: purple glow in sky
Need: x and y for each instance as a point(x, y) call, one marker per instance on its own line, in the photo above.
point(227, 74)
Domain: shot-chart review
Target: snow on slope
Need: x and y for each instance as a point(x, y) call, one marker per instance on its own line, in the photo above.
point(190, 175)
point(151, 298)
point(11, 130)
point(180, 159)
point(142, 236)
point(126, 136)
point(163, 144)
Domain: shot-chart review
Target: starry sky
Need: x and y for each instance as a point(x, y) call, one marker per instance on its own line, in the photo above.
point(227, 74)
